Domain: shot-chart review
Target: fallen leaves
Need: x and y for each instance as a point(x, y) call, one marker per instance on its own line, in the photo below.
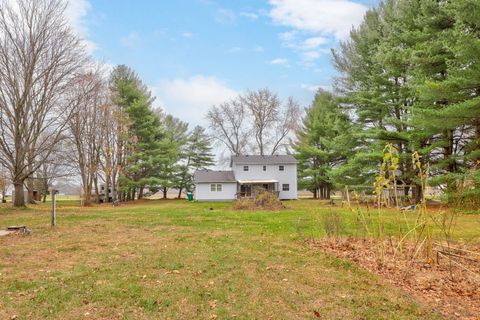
point(212, 304)
point(458, 297)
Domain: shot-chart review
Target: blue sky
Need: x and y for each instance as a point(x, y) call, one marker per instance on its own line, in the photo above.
point(195, 53)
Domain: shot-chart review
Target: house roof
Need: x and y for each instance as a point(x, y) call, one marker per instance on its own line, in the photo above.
point(213, 176)
point(257, 159)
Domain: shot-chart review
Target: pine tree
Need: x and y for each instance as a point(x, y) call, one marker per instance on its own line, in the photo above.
point(197, 154)
point(452, 92)
point(174, 141)
point(323, 144)
point(142, 149)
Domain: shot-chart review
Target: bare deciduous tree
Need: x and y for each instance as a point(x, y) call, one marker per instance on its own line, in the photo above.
point(264, 108)
point(228, 121)
point(258, 114)
point(39, 59)
point(113, 120)
point(86, 130)
point(56, 167)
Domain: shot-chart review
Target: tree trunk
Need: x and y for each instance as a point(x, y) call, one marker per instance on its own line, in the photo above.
point(322, 192)
point(87, 196)
point(165, 193)
point(417, 193)
point(45, 190)
point(107, 187)
point(448, 153)
point(19, 200)
point(180, 192)
point(30, 188)
point(140, 193)
point(97, 192)
point(315, 193)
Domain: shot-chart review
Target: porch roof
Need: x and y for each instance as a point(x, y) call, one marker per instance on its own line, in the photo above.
point(256, 181)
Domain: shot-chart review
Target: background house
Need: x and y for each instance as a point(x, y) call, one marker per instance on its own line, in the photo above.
point(275, 173)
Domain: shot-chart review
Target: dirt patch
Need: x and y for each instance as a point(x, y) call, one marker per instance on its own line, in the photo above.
point(449, 286)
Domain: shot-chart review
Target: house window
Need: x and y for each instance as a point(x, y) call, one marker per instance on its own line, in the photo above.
point(281, 168)
point(216, 187)
point(245, 168)
point(285, 187)
point(264, 168)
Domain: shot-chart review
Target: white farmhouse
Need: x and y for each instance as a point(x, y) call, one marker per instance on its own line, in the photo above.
point(276, 173)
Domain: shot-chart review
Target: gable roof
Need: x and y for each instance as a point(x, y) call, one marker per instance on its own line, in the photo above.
point(213, 176)
point(257, 159)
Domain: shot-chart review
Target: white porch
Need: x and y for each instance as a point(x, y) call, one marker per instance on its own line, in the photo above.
point(249, 188)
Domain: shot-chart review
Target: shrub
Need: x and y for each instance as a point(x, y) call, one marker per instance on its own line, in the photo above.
point(263, 200)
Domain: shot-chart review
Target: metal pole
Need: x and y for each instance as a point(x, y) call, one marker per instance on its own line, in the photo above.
point(54, 208)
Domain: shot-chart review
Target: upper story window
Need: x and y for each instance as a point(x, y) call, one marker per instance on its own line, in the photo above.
point(245, 168)
point(285, 187)
point(281, 168)
point(264, 168)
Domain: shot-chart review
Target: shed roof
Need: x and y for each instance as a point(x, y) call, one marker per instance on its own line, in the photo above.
point(213, 176)
point(257, 159)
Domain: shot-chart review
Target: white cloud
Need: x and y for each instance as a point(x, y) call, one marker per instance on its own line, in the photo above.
point(314, 24)
point(225, 16)
point(76, 12)
point(131, 40)
point(289, 39)
point(314, 87)
point(314, 42)
point(250, 15)
point(309, 49)
point(189, 99)
point(187, 34)
point(334, 17)
point(279, 61)
point(310, 55)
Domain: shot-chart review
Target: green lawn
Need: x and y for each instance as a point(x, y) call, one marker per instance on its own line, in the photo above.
point(179, 260)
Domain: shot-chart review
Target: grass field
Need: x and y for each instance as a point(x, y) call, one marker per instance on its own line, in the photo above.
point(179, 260)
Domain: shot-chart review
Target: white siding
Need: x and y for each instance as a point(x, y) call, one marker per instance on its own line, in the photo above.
point(203, 192)
point(255, 172)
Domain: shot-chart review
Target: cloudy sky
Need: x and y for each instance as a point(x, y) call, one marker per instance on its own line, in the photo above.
point(195, 53)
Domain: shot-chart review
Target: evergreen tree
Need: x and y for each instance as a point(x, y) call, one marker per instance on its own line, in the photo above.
point(174, 141)
point(197, 154)
point(453, 95)
point(143, 151)
point(323, 144)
